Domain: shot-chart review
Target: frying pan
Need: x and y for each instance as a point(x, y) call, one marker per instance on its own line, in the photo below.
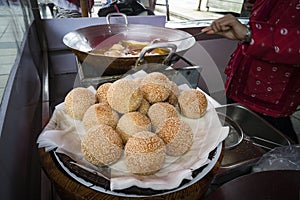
point(84, 40)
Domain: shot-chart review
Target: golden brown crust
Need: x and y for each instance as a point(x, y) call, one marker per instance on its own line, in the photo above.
point(144, 153)
point(155, 87)
point(131, 123)
point(177, 135)
point(89, 156)
point(174, 88)
point(192, 103)
point(169, 129)
point(144, 142)
point(144, 107)
point(77, 101)
point(124, 96)
point(173, 98)
point(102, 145)
point(100, 113)
point(102, 91)
point(159, 112)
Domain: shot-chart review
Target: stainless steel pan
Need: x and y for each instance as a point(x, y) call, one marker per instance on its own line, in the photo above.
point(84, 40)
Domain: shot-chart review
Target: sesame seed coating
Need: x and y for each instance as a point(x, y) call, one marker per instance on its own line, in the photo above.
point(102, 91)
point(177, 135)
point(124, 96)
point(144, 142)
point(138, 80)
point(125, 121)
point(144, 107)
point(102, 146)
point(155, 87)
point(100, 113)
point(131, 123)
point(77, 101)
point(173, 97)
point(144, 153)
point(174, 88)
point(159, 112)
point(192, 103)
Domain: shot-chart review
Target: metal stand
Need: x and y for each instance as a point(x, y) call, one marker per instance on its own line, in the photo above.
point(152, 4)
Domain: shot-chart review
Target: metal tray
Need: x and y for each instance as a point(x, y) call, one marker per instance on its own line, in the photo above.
point(101, 184)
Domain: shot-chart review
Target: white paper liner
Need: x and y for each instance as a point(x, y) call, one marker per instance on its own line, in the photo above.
point(64, 133)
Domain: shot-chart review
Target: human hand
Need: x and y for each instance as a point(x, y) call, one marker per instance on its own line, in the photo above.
point(227, 26)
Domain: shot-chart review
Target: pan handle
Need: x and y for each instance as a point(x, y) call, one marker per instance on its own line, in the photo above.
point(148, 48)
point(109, 15)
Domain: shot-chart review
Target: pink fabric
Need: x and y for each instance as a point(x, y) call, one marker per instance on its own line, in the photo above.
point(265, 74)
point(117, 9)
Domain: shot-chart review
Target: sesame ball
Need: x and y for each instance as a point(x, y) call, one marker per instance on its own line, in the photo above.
point(100, 113)
point(155, 87)
point(144, 107)
point(102, 91)
point(173, 98)
point(131, 123)
point(177, 135)
point(102, 146)
point(144, 153)
point(138, 80)
point(192, 103)
point(159, 112)
point(124, 96)
point(77, 101)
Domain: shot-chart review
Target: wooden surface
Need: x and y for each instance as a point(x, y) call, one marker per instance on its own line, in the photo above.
point(68, 188)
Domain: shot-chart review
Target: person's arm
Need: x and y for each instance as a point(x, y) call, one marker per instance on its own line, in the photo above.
point(227, 26)
point(274, 43)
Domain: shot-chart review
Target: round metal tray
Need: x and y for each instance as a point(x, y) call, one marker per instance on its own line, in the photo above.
point(101, 184)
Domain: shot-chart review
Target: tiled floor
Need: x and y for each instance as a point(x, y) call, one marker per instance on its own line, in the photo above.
point(11, 34)
point(12, 29)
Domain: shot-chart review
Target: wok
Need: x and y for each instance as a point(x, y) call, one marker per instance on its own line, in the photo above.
point(84, 40)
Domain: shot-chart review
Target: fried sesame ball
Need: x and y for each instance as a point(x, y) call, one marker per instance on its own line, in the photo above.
point(174, 88)
point(192, 103)
point(173, 97)
point(138, 80)
point(102, 91)
point(144, 107)
point(177, 135)
point(159, 112)
point(102, 145)
point(100, 113)
point(77, 101)
point(155, 87)
point(144, 153)
point(124, 96)
point(131, 123)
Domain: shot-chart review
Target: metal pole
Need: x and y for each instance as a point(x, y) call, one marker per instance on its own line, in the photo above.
point(84, 8)
point(199, 5)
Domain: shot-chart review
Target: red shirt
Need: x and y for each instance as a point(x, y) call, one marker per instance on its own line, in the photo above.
point(265, 74)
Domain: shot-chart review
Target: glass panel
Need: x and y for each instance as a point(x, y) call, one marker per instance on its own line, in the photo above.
point(177, 10)
point(15, 18)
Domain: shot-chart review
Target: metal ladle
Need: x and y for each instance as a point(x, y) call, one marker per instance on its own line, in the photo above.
point(237, 135)
point(158, 40)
